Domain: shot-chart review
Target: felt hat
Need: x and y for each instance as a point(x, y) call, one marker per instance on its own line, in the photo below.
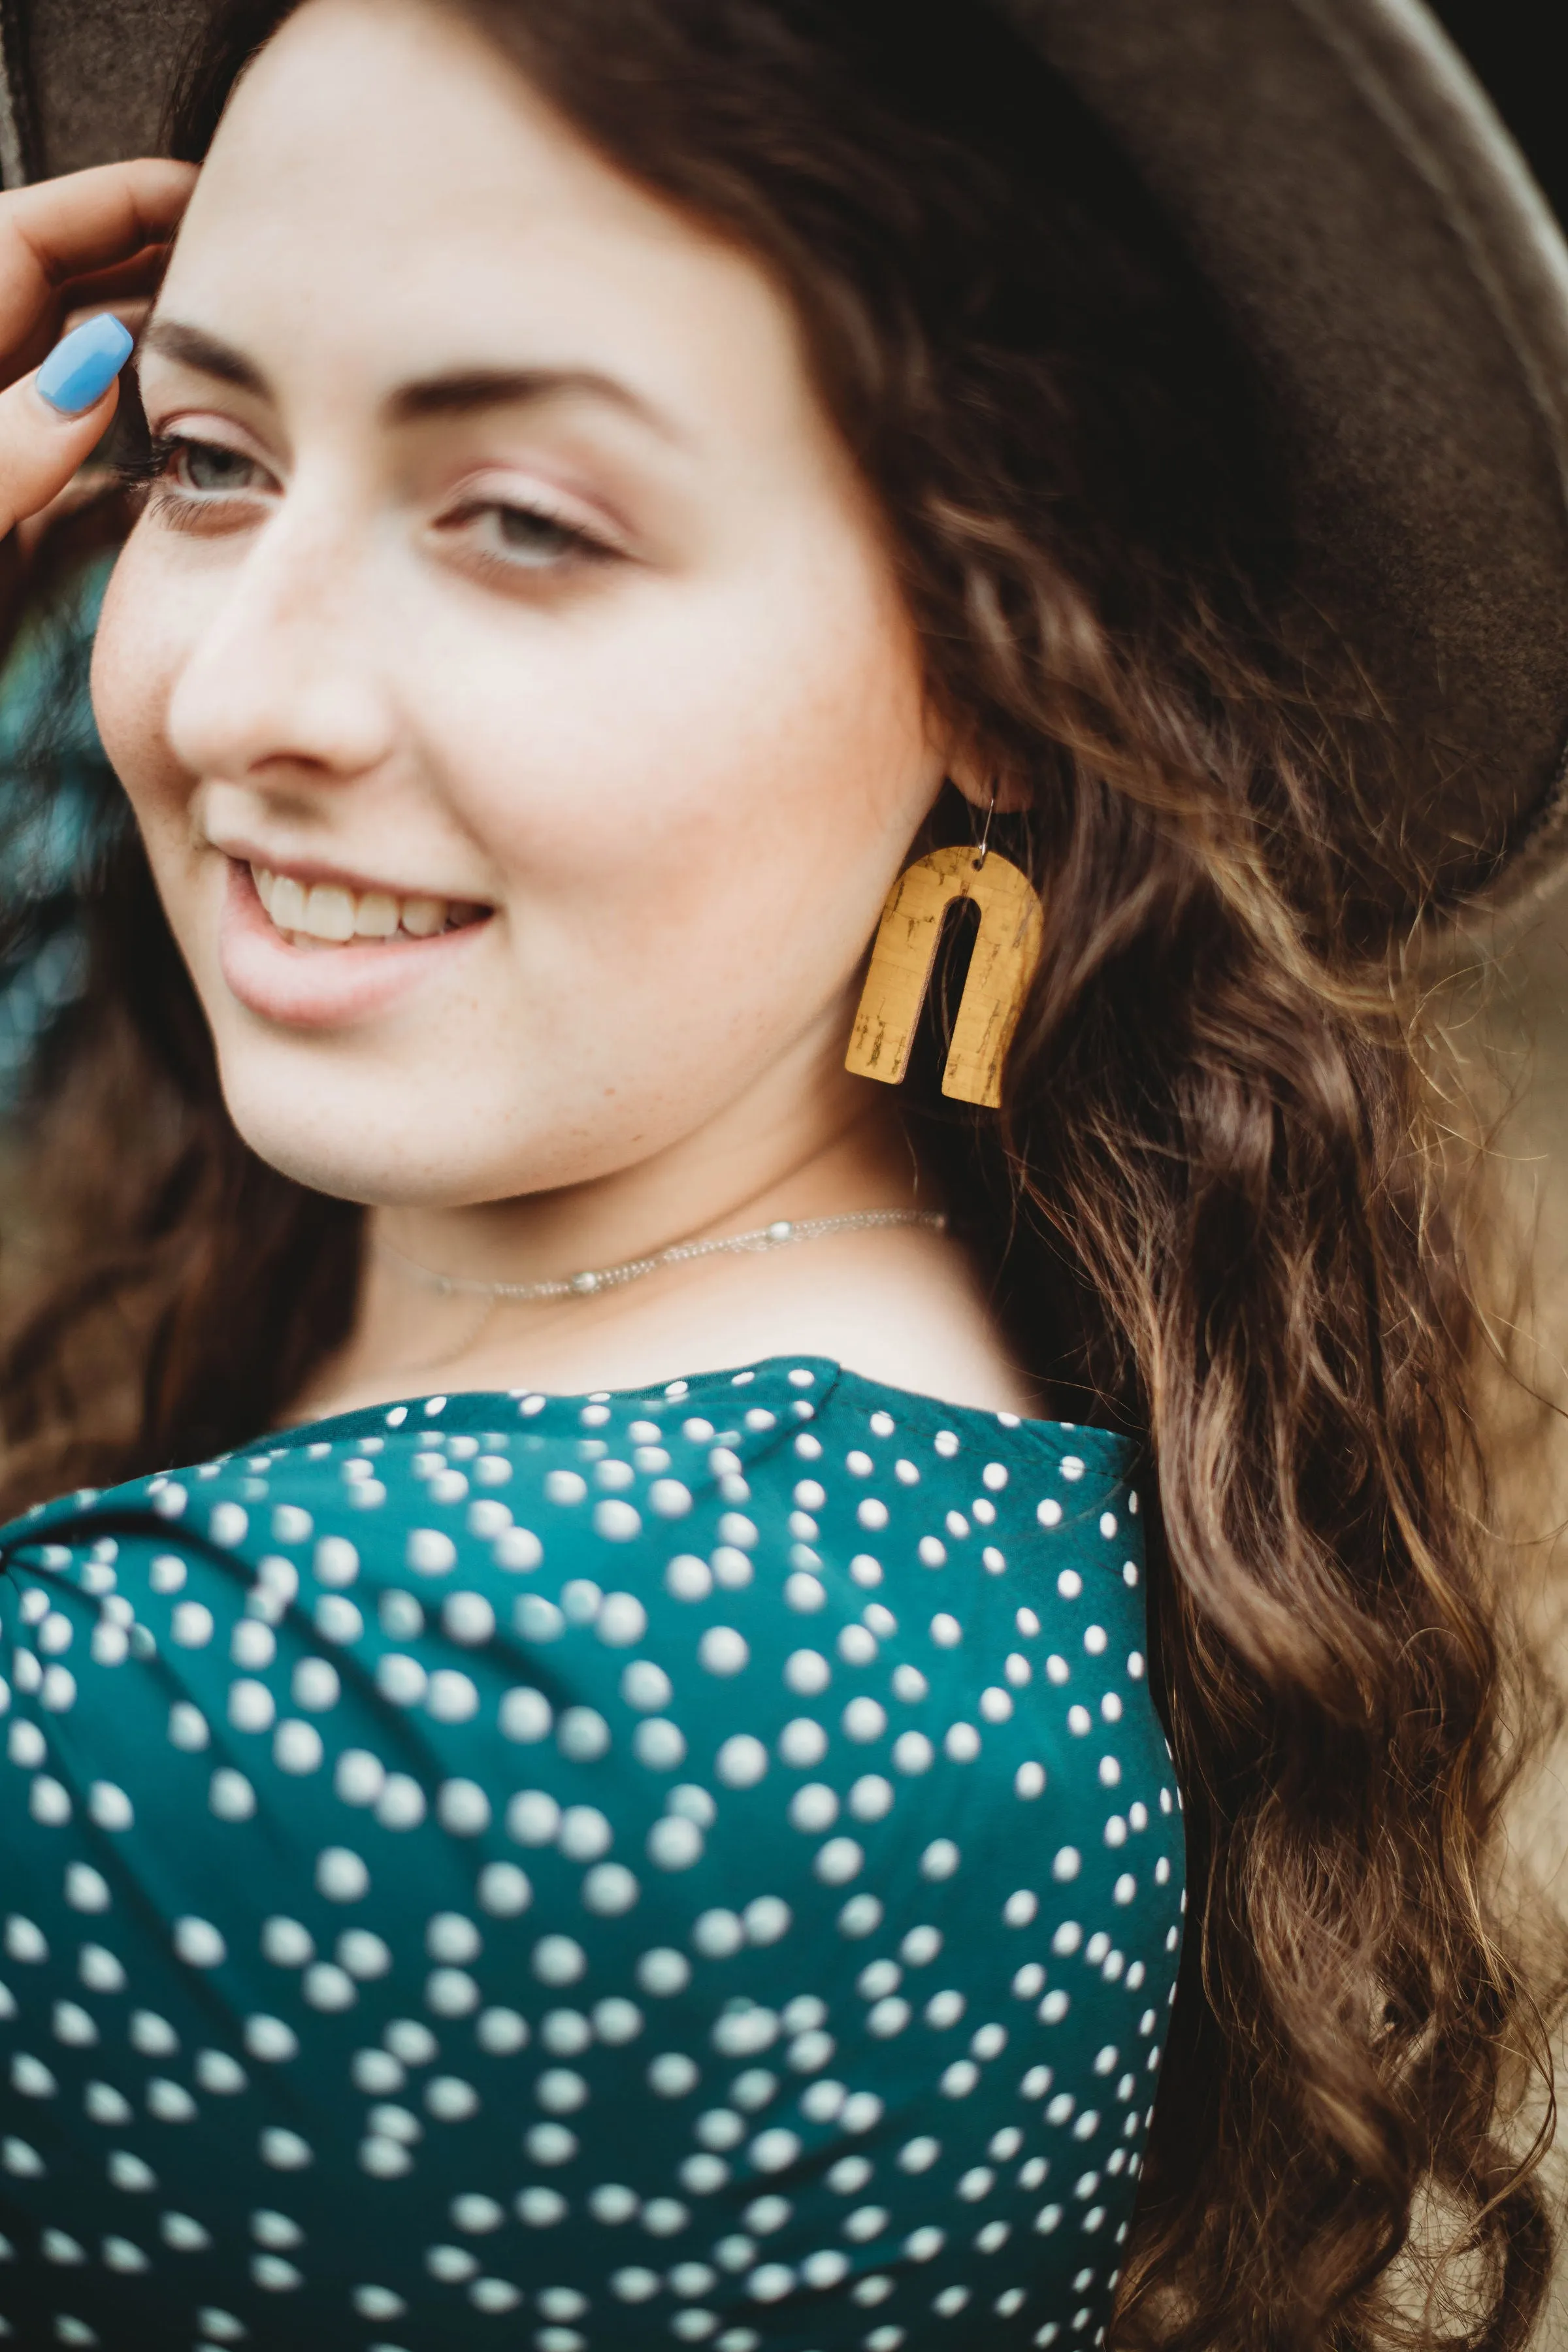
point(1341, 180)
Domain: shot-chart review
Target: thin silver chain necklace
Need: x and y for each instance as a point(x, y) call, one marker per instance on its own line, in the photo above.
point(782, 1234)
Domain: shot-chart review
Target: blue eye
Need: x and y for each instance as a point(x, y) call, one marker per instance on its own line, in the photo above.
point(503, 536)
point(528, 538)
point(203, 466)
point(196, 468)
point(543, 537)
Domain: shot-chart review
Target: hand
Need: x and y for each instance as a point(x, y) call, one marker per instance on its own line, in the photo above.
point(93, 241)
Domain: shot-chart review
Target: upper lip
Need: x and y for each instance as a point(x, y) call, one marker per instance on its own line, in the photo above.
point(309, 870)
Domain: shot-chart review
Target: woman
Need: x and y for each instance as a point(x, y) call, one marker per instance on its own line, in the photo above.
point(546, 1829)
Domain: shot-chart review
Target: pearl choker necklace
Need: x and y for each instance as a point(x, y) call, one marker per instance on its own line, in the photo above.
point(779, 1235)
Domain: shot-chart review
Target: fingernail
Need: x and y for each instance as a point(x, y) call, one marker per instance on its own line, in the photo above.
point(80, 371)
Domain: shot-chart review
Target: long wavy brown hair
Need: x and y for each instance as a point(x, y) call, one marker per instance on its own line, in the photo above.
point(1213, 1206)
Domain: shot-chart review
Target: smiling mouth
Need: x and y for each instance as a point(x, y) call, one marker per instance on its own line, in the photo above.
point(325, 914)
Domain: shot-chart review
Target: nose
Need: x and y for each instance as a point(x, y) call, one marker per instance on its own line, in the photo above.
point(281, 687)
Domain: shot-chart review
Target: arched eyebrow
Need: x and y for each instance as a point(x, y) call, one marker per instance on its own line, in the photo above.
point(192, 347)
point(462, 392)
point(468, 390)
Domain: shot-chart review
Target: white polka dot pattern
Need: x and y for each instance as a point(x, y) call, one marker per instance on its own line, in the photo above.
point(699, 1867)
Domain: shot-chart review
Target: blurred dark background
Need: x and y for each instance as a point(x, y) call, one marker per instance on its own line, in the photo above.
point(1510, 49)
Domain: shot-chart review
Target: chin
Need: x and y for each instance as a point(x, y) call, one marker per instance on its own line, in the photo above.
point(327, 1136)
point(323, 1164)
point(398, 1146)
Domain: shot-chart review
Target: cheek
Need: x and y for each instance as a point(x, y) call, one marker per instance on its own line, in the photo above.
point(710, 784)
point(133, 658)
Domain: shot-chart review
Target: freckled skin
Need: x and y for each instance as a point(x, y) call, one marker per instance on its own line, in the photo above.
point(682, 772)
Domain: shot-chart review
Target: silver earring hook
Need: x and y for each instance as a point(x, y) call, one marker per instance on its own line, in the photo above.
point(985, 832)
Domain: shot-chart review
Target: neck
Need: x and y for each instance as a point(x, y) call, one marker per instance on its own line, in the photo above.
point(846, 1153)
point(811, 1143)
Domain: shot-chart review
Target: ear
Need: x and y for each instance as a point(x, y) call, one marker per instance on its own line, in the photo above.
point(977, 778)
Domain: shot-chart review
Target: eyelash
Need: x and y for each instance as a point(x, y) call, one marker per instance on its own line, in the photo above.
point(155, 473)
point(151, 471)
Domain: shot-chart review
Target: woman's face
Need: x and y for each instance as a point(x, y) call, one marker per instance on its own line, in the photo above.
point(506, 583)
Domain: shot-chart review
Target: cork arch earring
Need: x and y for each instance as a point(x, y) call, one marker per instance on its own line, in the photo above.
point(1006, 953)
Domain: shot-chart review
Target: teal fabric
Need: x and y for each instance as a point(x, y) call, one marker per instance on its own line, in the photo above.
point(693, 1867)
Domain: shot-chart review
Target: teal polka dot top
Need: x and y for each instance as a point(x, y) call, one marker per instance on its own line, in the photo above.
point(697, 1867)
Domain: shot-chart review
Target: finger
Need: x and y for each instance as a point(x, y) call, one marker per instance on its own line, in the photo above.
point(62, 229)
point(51, 421)
point(131, 309)
point(143, 274)
point(87, 487)
point(129, 294)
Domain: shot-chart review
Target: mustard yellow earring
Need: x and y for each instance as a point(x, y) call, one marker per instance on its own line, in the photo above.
point(1000, 971)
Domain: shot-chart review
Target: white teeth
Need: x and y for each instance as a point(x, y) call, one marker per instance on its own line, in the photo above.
point(326, 912)
point(375, 916)
point(329, 913)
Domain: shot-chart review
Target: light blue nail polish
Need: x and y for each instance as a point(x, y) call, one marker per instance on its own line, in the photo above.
point(80, 370)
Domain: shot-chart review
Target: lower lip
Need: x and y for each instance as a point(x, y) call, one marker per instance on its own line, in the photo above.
point(324, 987)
